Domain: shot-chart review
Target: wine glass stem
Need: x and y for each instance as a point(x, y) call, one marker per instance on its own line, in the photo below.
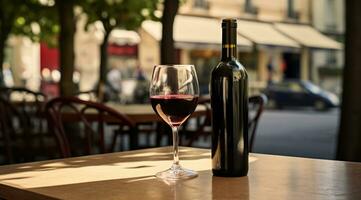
point(175, 146)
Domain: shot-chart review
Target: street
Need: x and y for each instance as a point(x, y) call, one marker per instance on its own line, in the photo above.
point(291, 132)
point(304, 133)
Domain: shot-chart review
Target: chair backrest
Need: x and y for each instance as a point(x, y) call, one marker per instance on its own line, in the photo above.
point(28, 104)
point(21, 116)
point(22, 92)
point(256, 107)
point(8, 115)
point(22, 97)
point(74, 120)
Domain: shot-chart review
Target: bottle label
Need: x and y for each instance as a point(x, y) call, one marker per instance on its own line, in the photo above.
point(229, 46)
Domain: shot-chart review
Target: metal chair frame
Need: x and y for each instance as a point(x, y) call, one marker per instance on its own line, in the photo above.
point(257, 102)
point(56, 109)
point(21, 120)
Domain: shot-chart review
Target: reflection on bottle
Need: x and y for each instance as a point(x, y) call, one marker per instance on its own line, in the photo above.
point(230, 188)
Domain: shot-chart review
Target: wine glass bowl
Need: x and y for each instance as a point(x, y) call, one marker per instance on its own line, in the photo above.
point(174, 93)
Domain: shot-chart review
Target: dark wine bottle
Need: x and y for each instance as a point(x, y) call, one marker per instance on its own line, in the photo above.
point(229, 101)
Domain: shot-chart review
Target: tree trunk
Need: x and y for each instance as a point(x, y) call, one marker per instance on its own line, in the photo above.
point(167, 50)
point(103, 65)
point(349, 139)
point(66, 46)
point(4, 34)
point(2, 56)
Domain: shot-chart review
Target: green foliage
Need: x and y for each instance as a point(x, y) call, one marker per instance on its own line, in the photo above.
point(127, 14)
point(38, 19)
point(31, 18)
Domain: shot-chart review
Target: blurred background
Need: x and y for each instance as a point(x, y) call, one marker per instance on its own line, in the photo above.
point(293, 51)
point(282, 39)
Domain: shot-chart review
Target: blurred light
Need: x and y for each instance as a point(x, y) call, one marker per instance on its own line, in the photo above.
point(76, 77)
point(334, 99)
point(104, 14)
point(55, 75)
point(35, 28)
point(20, 20)
point(55, 28)
point(145, 12)
point(113, 21)
point(45, 73)
point(47, 2)
point(51, 2)
point(110, 2)
point(158, 13)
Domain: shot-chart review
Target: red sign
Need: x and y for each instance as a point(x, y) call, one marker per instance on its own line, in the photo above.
point(125, 50)
point(49, 57)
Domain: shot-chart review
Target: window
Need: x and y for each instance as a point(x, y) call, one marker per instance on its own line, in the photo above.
point(331, 57)
point(330, 11)
point(201, 4)
point(250, 8)
point(291, 12)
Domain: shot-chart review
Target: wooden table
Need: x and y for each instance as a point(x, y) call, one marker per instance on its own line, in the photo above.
point(129, 175)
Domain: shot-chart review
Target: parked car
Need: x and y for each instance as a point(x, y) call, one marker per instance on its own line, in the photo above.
point(297, 93)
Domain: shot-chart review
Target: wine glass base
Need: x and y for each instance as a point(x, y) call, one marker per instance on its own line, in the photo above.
point(176, 172)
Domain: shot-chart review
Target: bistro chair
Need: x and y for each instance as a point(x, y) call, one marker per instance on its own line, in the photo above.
point(80, 126)
point(23, 130)
point(256, 107)
point(202, 128)
point(24, 98)
point(93, 95)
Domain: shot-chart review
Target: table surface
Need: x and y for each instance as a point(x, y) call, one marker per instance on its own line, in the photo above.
point(129, 175)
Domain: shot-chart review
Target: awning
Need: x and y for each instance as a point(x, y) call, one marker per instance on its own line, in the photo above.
point(308, 36)
point(264, 34)
point(194, 33)
point(124, 37)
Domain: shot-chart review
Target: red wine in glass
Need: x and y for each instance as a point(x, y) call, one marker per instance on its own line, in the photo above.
point(174, 92)
point(174, 109)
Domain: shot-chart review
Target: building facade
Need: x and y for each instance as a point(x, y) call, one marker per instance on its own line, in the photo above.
point(283, 40)
point(275, 41)
point(328, 17)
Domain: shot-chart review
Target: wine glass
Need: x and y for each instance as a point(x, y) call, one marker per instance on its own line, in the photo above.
point(174, 93)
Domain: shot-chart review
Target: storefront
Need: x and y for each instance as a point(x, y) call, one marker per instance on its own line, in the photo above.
point(204, 60)
point(266, 61)
point(123, 52)
point(198, 40)
point(123, 58)
point(310, 40)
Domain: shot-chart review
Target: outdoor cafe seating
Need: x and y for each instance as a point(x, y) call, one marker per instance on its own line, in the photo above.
point(78, 127)
point(41, 124)
point(24, 133)
point(203, 129)
point(82, 129)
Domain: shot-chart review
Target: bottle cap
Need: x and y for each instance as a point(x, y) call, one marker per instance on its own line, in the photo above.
point(230, 22)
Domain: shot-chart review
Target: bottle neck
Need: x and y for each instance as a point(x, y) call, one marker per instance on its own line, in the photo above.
point(229, 43)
